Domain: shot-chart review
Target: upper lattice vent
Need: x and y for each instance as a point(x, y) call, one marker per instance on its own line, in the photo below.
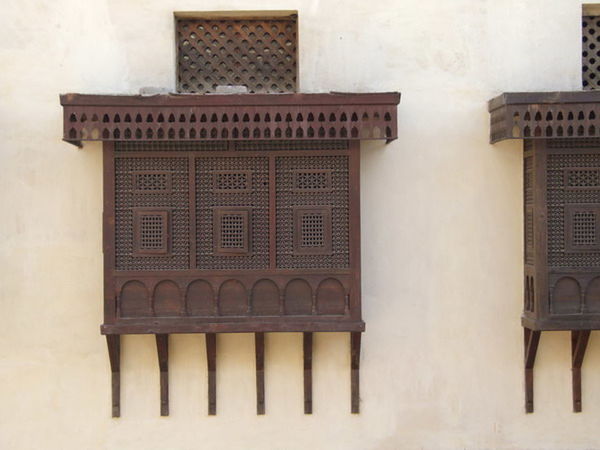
point(253, 49)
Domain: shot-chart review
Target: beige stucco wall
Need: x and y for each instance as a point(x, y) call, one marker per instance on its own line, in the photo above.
point(442, 239)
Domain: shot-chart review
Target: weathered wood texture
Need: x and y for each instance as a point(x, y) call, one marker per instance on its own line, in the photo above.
point(229, 117)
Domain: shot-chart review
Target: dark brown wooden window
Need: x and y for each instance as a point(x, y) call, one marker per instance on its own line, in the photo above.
point(312, 230)
point(232, 231)
point(150, 232)
point(582, 228)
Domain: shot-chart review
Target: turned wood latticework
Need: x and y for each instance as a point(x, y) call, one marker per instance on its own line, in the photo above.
point(232, 213)
point(561, 198)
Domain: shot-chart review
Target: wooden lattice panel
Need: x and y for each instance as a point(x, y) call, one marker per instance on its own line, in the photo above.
point(260, 54)
point(590, 58)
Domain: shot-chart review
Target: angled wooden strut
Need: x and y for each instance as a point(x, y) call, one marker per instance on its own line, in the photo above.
point(259, 348)
point(532, 339)
point(579, 341)
point(307, 344)
point(162, 348)
point(114, 353)
point(355, 372)
point(211, 360)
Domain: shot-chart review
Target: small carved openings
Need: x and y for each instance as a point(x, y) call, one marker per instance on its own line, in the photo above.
point(232, 222)
point(150, 232)
point(148, 181)
point(572, 295)
point(312, 230)
point(231, 231)
point(582, 228)
point(264, 297)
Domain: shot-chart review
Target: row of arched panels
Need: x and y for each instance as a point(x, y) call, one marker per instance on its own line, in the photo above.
point(545, 120)
point(186, 133)
point(232, 298)
point(570, 297)
point(184, 123)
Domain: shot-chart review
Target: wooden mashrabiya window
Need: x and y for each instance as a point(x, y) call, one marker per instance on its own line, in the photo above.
point(231, 213)
point(561, 197)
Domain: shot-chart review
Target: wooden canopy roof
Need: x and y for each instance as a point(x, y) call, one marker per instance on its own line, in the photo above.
point(184, 117)
point(545, 115)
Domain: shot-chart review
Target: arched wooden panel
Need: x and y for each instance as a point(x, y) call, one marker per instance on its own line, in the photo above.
point(134, 300)
point(167, 299)
point(592, 296)
point(566, 297)
point(233, 299)
point(331, 297)
point(200, 299)
point(265, 298)
point(298, 298)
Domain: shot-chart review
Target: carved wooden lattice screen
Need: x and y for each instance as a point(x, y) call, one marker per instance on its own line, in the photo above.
point(232, 213)
point(257, 52)
point(561, 172)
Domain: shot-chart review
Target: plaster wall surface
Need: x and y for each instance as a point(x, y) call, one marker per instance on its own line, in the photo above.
point(441, 231)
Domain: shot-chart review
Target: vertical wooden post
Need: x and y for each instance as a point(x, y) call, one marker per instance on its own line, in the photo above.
point(114, 353)
point(259, 347)
point(579, 341)
point(308, 350)
point(531, 340)
point(355, 371)
point(211, 359)
point(162, 349)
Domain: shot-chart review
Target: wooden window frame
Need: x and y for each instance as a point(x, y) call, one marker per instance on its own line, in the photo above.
point(165, 213)
point(325, 211)
point(218, 213)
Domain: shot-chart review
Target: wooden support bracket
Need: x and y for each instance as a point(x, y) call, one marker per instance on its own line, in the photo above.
point(532, 339)
point(355, 372)
point(162, 349)
point(259, 347)
point(211, 360)
point(308, 350)
point(114, 353)
point(579, 341)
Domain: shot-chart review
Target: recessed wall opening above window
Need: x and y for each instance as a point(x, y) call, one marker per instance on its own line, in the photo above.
point(254, 49)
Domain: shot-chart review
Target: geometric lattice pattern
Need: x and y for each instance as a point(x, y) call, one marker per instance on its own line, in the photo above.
point(131, 203)
point(583, 178)
point(152, 182)
point(528, 200)
point(584, 228)
point(233, 231)
point(232, 181)
point(316, 180)
point(219, 204)
point(572, 240)
point(152, 228)
point(292, 203)
point(312, 230)
point(590, 61)
point(260, 54)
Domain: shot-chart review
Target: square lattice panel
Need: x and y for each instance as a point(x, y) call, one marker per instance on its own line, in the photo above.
point(259, 53)
point(590, 61)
